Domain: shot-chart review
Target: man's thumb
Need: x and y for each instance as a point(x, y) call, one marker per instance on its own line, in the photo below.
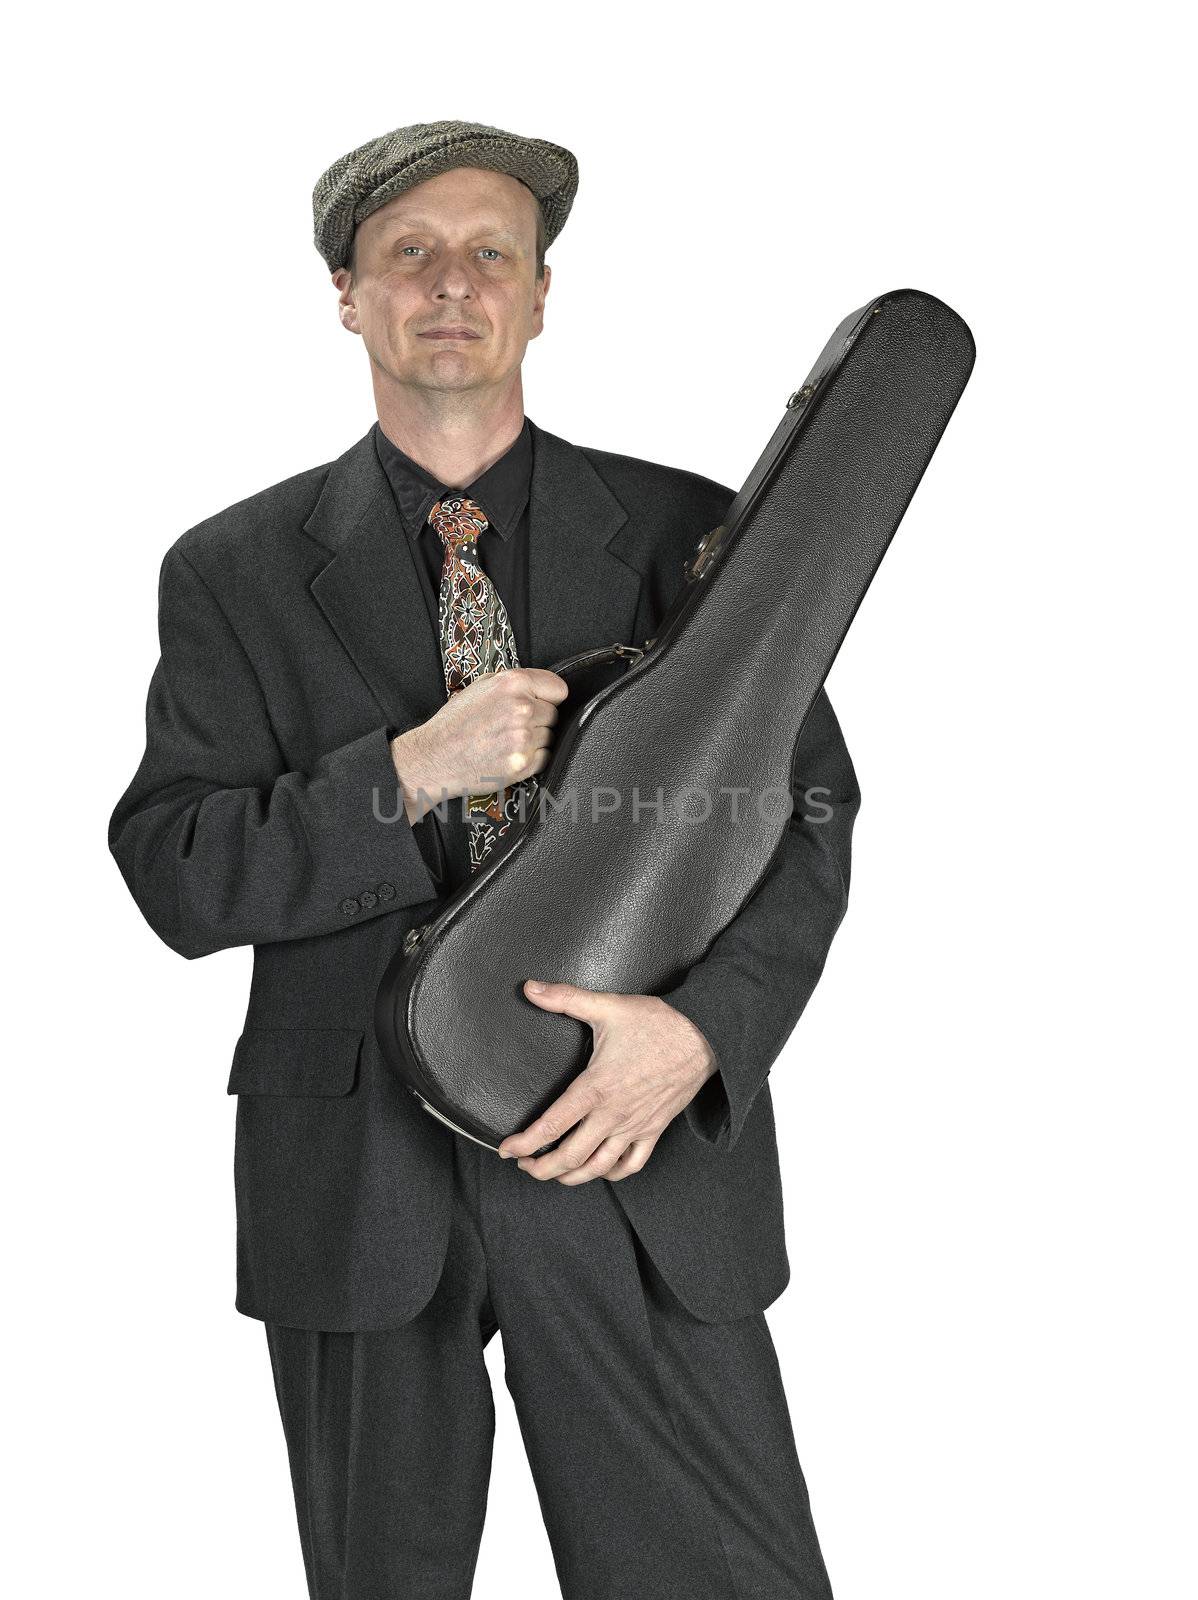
point(567, 997)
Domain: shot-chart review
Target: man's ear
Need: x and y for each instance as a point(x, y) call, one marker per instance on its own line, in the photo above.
point(347, 310)
point(541, 289)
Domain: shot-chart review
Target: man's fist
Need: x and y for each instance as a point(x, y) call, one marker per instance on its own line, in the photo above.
point(489, 735)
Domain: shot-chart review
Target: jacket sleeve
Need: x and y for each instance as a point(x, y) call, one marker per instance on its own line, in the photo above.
point(218, 843)
point(749, 989)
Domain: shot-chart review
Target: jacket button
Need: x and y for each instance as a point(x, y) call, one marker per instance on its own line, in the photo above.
point(349, 905)
point(386, 891)
point(368, 900)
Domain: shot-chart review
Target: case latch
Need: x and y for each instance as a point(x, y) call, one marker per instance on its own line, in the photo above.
point(704, 551)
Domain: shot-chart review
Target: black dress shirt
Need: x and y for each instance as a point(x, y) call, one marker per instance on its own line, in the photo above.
point(503, 493)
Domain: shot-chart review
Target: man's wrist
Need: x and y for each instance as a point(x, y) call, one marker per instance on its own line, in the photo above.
point(420, 793)
point(711, 1064)
point(403, 759)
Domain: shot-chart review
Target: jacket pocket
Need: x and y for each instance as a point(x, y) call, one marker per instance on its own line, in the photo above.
point(297, 1061)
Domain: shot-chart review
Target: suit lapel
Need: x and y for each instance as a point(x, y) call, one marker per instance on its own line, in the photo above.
point(581, 593)
point(370, 591)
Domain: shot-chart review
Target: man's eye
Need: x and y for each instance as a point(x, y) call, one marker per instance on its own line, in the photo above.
point(487, 249)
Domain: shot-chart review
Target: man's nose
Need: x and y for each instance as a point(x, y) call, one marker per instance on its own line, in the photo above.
point(454, 279)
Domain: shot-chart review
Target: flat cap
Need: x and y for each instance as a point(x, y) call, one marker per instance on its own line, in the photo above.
point(366, 178)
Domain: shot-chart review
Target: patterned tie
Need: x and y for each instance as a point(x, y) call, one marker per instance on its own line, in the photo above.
point(476, 638)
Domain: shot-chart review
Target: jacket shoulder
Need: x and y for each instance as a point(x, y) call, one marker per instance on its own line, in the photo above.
point(278, 510)
point(634, 477)
point(670, 509)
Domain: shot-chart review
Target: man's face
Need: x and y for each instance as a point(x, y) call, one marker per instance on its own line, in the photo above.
point(457, 251)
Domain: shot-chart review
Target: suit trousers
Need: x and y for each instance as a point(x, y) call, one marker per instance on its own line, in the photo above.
point(661, 1446)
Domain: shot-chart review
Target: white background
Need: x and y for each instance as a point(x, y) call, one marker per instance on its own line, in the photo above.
point(987, 1112)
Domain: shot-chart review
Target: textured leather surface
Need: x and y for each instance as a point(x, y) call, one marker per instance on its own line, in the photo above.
point(715, 704)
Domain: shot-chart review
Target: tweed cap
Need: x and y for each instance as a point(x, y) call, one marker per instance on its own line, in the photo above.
point(366, 178)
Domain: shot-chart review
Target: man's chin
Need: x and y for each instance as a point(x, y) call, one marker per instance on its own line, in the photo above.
point(450, 376)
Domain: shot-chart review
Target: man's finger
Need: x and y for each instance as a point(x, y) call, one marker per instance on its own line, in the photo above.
point(545, 684)
point(572, 1153)
point(633, 1159)
point(569, 1107)
point(601, 1164)
point(588, 1005)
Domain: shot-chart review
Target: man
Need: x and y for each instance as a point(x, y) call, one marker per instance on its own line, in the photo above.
point(382, 626)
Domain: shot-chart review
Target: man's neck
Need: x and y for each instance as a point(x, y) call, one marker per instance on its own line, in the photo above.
point(455, 438)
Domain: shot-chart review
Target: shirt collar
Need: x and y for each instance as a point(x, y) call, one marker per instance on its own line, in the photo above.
point(502, 490)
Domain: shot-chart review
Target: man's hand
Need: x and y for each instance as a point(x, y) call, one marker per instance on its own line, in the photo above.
point(647, 1064)
point(490, 734)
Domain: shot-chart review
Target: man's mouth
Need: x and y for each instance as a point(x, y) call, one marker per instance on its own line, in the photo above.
point(449, 333)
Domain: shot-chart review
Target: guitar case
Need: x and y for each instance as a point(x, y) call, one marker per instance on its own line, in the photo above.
point(714, 702)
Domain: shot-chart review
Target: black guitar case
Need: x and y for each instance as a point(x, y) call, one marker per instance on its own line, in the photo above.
point(717, 698)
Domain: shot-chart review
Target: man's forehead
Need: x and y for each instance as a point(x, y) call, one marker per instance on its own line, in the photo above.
point(482, 221)
point(417, 206)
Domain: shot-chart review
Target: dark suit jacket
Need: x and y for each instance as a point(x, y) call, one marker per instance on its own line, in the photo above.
point(293, 637)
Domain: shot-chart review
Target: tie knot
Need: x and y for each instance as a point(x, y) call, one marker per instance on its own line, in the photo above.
point(457, 518)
